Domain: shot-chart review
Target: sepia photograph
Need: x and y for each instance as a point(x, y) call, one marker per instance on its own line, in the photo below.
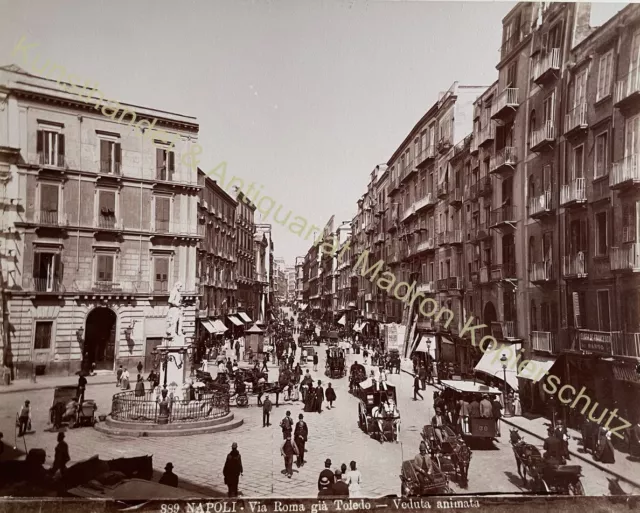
point(291, 255)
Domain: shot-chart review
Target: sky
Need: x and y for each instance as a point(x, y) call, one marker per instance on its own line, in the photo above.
point(304, 97)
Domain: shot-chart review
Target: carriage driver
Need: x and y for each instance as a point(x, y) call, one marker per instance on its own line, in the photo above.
point(422, 464)
point(438, 422)
point(388, 412)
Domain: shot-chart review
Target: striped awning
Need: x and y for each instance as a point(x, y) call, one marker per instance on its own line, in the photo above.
point(209, 327)
point(235, 320)
point(244, 317)
point(219, 325)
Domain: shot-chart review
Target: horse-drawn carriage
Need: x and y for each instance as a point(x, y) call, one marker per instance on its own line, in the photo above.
point(376, 416)
point(414, 485)
point(452, 454)
point(75, 414)
point(546, 476)
point(336, 363)
point(307, 353)
point(474, 427)
point(332, 338)
point(239, 386)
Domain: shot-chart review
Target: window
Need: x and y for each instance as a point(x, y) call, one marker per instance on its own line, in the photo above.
point(161, 274)
point(110, 157)
point(163, 214)
point(106, 209)
point(532, 125)
point(604, 319)
point(632, 137)
point(580, 88)
point(534, 316)
point(601, 234)
point(578, 163)
point(605, 67)
point(104, 268)
point(50, 148)
point(629, 223)
point(42, 338)
point(600, 167)
point(49, 203)
point(547, 109)
point(46, 271)
point(165, 164)
point(511, 75)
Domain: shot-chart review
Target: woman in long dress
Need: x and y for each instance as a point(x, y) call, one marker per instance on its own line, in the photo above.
point(517, 407)
point(124, 381)
point(354, 480)
point(309, 404)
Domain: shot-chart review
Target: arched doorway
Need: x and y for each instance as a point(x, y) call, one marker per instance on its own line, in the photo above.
point(489, 314)
point(100, 338)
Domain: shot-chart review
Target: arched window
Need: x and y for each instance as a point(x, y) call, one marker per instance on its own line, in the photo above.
point(532, 125)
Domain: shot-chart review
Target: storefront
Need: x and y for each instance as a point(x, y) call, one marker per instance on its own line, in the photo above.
point(499, 363)
point(446, 350)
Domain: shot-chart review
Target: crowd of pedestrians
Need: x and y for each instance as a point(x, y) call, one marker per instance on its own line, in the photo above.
point(341, 483)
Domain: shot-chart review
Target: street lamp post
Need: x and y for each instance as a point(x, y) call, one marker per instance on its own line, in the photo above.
point(503, 360)
point(429, 363)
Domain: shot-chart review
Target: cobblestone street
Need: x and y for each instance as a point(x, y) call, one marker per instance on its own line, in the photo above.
point(333, 434)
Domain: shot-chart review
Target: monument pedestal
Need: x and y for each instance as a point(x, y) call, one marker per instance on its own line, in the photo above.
point(173, 369)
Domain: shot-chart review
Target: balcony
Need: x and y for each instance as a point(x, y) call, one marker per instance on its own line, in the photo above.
point(441, 239)
point(109, 287)
point(546, 66)
point(573, 193)
point(443, 284)
point(408, 213)
point(627, 344)
point(50, 160)
point(454, 237)
point(482, 232)
point(576, 120)
point(625, 172)
point(540, 206)
point(598, 341)
point(544, 341)
point(108, 223)
point(46, 285)
point(444, 145)
point(50, 219)
point(507, 271)
point(543, 137)
point(575, 266)
point(442, 190)
point(508, 330)
point(179, 231)
point(426, 245)
point(424, 202)
point(455, 283)
point(484, 274)
point(408, 170)
point(504, 161)
point(427, 287)
point(506, 104)
point(503, 216)
point(484, 186)
point(379, 238)
point(394, 183)
point(455, 197)
point(627, 90)
point(541, 272)
point(626, 257)
point(487, 134)
point(473, 148)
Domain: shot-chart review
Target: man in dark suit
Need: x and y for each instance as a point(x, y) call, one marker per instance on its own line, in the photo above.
point(340, 489)
point(326, 476)
point(319, 396)
point(300, 438)
point(553, 447)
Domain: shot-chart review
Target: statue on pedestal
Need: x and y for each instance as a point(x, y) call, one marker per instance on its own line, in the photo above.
point(175, 311)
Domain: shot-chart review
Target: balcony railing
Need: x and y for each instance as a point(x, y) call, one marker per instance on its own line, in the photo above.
point(543, 136)
point(50, 218)
point(443, 284)
point(506, 271)
point(487, 133)
point(575, 265)
point(505, 160)
point(426, 287)
point(45, 159)
point(544, 341)
point(408, 212)
point(540, 205)
point(506, 102)
point(541, 271)
point(508, 328)
point(482, 232)
point(573, 192)
point(628, 88)
point(626, 257)
point(454, 237)
point(179, 229)
point(107, 223)
point(545, 65)
point(455, 196)
point(425, 155)
point(50, 284)
point(625, 172)
point(503, 215)
point(441, 238)
point(424, 202)
point(442, 189)
point(110, 168)
point(576, 119)
point(627, 344)
point(455, 283)
point(426, 245)
point(111, 287)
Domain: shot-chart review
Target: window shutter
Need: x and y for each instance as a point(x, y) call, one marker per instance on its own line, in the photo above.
point(49, 198)
point(40, 144)
point(118, 157)
point(61, 145)
point(162, 273)
point(105, 159)
point(160, 164)
point(171, 163)
point(36, 265)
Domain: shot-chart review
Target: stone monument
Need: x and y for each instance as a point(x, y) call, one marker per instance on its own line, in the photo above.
point(173, 350)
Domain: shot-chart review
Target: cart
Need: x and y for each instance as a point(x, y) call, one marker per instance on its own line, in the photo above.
point(332, 338)
point(371, 397)
point(413, 486)
point(61, 397)
point(86, 413)
point(311, 351)
point(336, 363)
point(453, 455)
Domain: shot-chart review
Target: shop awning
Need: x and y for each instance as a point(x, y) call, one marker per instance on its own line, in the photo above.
point(208, 325)
point(244, 317)
point(624, 373)
point(445, 340)
point(219, 326)
point(429, 348)
point(343, 320)
point(536, 368)
point(490, 364)
point(303, 307)
point(235, 320)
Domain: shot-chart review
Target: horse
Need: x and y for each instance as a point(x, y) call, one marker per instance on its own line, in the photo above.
point(528, 457)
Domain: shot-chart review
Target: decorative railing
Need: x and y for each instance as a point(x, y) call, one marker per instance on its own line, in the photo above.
point(546, 133)
point(111, 287)
point(626, 170)
point(127, 407)
point(576, 118)
point(484, 186)
point(54, 160)
point(576, 191)
point(49, 284)
point(547, 62)
point(109, 167)
point(506, 214)
point(426, 287)
point(628, 86)
point(424, 202)
point(540, 204)
point(507, 156)
point(543, 341)
point(507, 98)
point(426, 245)
point(575, 265)
point(541, 271)
point(50, 218)
point(626, 257)
point(627, 344)
point(487, 133)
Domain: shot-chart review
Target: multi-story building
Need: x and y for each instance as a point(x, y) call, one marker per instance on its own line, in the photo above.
point(247, 301)
point(266, 308)
point(106, 226)
point(261, 248)
point(216, 266)
point(314, 275)
point(291, 283)
point(299, 282)
point(425, 218)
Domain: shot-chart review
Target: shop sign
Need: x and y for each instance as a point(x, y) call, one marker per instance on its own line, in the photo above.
point(595, 341)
